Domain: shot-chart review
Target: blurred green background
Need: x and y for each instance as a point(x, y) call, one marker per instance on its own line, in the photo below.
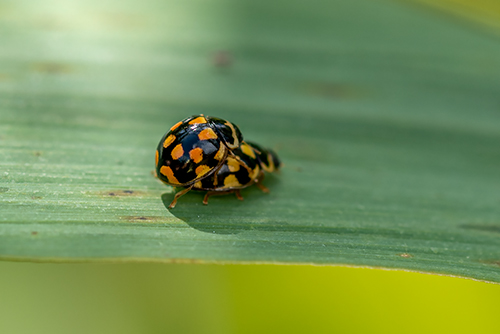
point(187, 298)
point(194, 298)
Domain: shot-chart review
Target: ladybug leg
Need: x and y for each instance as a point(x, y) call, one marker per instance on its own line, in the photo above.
point(258, 181)
point(263, 188)
point(179, 194)
point(216, 179)
point(207, 195)
point(238, 194)
point(219, 193)
point(256, 150)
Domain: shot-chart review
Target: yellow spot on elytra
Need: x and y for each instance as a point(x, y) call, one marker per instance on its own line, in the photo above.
point(221, 153)
point(255, 173)
point(272, 167)
point(156, 158)
point(196, 154)
point(247, 150)
point(233, 164)
point(269, 168)
point(236, 142)
point(207, 134)
point(177, 152)
point(231, 181)
point(167, 171)
point(202, 170)
point(198, 120)
point(169, 140)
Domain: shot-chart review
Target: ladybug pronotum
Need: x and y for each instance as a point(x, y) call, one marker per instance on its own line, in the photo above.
point(193, 149)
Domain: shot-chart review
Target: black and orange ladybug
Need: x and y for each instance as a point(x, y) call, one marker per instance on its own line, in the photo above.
point(193, 149)
point(242, 170)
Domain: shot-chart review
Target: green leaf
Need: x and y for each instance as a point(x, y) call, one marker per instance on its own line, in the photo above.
point(385, 116)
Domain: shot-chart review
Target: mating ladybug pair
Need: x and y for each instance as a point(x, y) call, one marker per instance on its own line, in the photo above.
point(208, 154)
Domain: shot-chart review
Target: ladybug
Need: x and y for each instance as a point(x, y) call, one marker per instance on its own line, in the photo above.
point(193, 149)
point(236, 174)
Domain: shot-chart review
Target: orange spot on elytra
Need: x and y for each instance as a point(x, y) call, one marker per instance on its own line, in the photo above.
point(207, 134)
point(177, 152)
point(175, 126)
point(169, 140)
point(156, 158)
point(198, 120)
point(202, 170)
point(167, 171)
point(196, 154)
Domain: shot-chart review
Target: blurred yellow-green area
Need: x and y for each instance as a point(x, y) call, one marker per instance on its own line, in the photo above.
point(182, 298)
point(485, 12)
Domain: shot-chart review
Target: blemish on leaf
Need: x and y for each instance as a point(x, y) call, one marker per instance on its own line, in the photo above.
point(34, 233)
point(4, 189)
point(37, 153)
point(486, 228)
point(53, 68)
point(222, 59)
point(121, 193)
point(332, 90)
point(493, 262)
point(406, 255)
point(145, 219)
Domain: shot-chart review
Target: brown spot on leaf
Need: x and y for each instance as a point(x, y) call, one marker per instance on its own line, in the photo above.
point(222, 59)
point(34, 233)
point(405, 255)
point(121, 193)
point(482, 227)
point(332, 90)
point(493, 262)
point(144, 219)
point(53, 68)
